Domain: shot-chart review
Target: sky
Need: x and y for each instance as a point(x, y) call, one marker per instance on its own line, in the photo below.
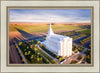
point(50, 15)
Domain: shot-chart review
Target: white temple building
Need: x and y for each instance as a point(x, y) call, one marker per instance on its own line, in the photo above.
point(61, 45)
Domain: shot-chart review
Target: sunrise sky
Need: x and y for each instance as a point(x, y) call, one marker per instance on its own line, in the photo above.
point(50, 15)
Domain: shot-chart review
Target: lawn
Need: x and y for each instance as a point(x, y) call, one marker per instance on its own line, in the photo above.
point(42, 28)
point(86, 31)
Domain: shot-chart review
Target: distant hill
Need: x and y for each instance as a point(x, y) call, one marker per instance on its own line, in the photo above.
point(22, 23)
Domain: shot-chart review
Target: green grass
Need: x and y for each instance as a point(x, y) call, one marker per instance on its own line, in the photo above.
point(42, 28)
point(86, 31)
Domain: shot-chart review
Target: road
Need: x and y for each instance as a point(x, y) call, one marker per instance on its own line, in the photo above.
point(21, 54)
point(13, 55)
point(48, 54)
point(80, 45)
point(73, 57)
point(81, 38)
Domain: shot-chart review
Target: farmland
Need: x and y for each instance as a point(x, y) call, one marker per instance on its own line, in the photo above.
point(42, 28)
point(20, 32)
point(23, 31)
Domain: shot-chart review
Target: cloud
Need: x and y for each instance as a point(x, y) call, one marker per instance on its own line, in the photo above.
point(49, 16)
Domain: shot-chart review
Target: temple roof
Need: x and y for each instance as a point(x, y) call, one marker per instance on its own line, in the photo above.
point(58, 37)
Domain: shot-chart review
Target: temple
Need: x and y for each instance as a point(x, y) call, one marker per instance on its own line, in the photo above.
point(61, 45)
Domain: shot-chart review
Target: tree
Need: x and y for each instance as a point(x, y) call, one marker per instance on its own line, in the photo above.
point(60, 59)
point(20, 43)
point(27, 47)
point(75, 50)
point(25, 53)
point(41, 58)
point(38, 53)
point(53, 61)
point(31, 46)
point(32, 56)
point(88, 59)
point(24, 49)
point(22, 60)
point(29, 52)
point(38, 59)
point(35, 45)
point(73, 62)
point(35, 49)
point(38, 42)
point(40, 45)
point(57, 56)
point(53, 52)
point(35, 41)
point(79, 57)
point(44, 38)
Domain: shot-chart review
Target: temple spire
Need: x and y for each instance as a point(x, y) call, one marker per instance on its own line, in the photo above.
point(50, 32)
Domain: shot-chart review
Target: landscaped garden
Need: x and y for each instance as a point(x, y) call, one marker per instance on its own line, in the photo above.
point(88, 56)
point(33, 54)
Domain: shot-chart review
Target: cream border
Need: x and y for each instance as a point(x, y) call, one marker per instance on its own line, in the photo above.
point(50, 65)
point(72, 67)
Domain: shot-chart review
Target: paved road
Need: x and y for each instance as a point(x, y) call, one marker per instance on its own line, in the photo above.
point(13, 55)
point(81, 38)
point(83, 47)
point(49, 55)
point(21, 54)
point(73, 57)
point(80, 45)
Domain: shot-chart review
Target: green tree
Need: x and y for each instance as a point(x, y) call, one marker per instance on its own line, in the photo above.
point(57, 56)
point(20, 43)
point(35, 46)
point(25, 53)
point(75, 50)
point(27, 47)
point(31, 46)
point(38, 59)
point(29, 52)
point(60, 59)
point(24, 49)
point(38, 53)
point(44, 38)
point(38, 42)
point(73, 62)
point(22, 60)
point(32, 56)
point(35, 49)
point(41, 59)
point(79, 57)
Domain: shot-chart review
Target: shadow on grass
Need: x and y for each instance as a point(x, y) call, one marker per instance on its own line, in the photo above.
point(25, 36)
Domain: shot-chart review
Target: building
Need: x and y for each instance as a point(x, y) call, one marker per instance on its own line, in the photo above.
point(61, 45)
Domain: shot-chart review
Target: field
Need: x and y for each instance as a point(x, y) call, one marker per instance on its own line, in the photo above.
point(43, 28)
point(26, 32)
